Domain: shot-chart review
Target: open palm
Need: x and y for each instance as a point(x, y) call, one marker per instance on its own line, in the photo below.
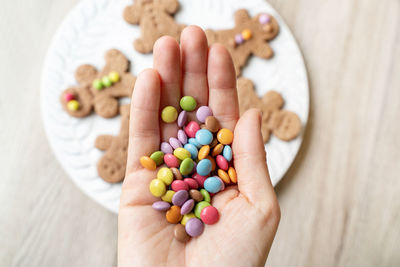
point(249, 212)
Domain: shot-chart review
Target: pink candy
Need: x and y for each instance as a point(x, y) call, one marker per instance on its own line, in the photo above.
point(199, 179)
point(191, 129)
point(191, 183)
point(222, 162)
point(179, 185)
point(209, 215)
point(171, 161)
point(68, 97)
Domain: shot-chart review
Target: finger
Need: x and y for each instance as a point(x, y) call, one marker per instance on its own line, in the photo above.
point(144, 132)
point(250, 160)
point(194, 50)
point(167, 61)
point(223, 98)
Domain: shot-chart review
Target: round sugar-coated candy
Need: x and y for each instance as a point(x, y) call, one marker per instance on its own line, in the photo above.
point(187, 206)
point(204, 167)
point(187, 217)
point(191, 129)
point(178, 185)
point(161, 205)
point(206, 195)
point(148, 163)
point(73, 105)
point(182, 153)
point(209, 215)
point(222, 184)
point(169, 114)
point(239, 39)
point(222, 162)
point(180, 197)
point(213, 165)
point(182, 137)
point(157, 188)
point(202, 113)
point(194, 142)
point(192, 183)
point(106, 81)
point(192, 149)
point(224, 176)
point(187, 166)
point(194, 227)
point(264, 18)
point(199, 179)
point(177, 174)
point(166, 148)
point(195, 195)
point(68, 97)
point(165, 174)
point(158, 157)
point(225, 136)
point(246, 34)
point(203, 152)
point(213, 184)
point(175, 143)
point(167, 197)
point(114, 76)
point(174, 215)
point(227, 153)
point(204, 137)
point(199, 206)
point(171, 161)
point(97, 84)
point(180, 233)
point(182, 118)
point(212, 124)
point(188, 103)
point(214, 143)
point(232, 175)
point(217, 150)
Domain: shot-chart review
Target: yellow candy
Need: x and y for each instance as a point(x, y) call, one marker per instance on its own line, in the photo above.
point(168, 196)
point(114, 76)
point(148, 163)
point(246, 34)
point(203, 152)
point(225, 136)
point(186, 218)
point(165, 174)
point(157, 188)
point(181, 153)
point(73, 105)
point(232, 175)
point(169, 114)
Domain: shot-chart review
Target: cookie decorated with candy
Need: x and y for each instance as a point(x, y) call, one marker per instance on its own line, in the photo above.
point(99, 90)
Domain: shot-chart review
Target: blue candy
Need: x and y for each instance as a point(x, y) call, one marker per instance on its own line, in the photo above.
point(204, 137)
point(212, 184)
point(204, 167)
point(192, 149)
point(194, 142)
point(227, 153)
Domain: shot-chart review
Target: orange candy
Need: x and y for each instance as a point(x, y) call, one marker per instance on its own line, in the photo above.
point(174, 215)
point(203, 152)
point(224, 176)
point(217, 150)
point(148, 163)
point(232, 175)
point(225, 136)
point(213, 165)
point(246, 34)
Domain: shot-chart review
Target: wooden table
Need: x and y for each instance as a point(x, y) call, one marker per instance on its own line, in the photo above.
point(340, 200)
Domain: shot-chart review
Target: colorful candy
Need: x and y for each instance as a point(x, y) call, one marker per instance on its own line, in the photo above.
point(192, 149)
point(161, 205)
point(225, 136)
point(180, 197)
point(158, 157)
point(187, 217)
point(178, 185)
point(212, 184)
point(199, 206)
point(227, 153)
point(171, 161)
point(222, 163)
point(182, 153)
point(180, 233)
point(106, 81)
point(246, 34)
point(204, 167)
point(203, 152)
point(114, 76)
point(175, 143)
point(187, 166)
point(173, 215)
point(194, 227)
point(166, 148)
point(169, 114)
point(204, 137)
point(157, 188)
point(97, 84)
point(165, 175)
point(73, 105)
point(182, 118)
point(187, 206)
point(202, 113)
point(212, 124)
point(195, 195)
point(188, 103)
point(191, 129)
point(209, 215)
point(182, 137)
point(148, 163)
point(167, 197)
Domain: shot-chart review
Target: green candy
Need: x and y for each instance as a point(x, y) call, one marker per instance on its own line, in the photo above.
point(187, 166)
point(199, 206)
point(206, 195)
point(158, 157)
point(98, 84)
point(106, 81)
point(188, 103)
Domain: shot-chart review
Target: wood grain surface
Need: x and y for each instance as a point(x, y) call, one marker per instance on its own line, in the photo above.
point(340, 200)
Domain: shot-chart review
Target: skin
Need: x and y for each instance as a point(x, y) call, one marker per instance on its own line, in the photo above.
point(249, 212)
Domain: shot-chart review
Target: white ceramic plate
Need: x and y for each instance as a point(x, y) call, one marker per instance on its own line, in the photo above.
point(95, 26)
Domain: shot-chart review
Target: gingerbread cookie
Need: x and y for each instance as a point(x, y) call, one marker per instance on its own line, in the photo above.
point(155, 20)
point(250, 36)
point(284, 124)
point(111, 167)
point(99, 90)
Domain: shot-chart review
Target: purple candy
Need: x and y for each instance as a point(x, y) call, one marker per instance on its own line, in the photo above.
point(182, 118)
point(161, 205)
point(194, 168)
point(202, 113)
point(182, 137)
point(264, 19)
point(180, 197)
point(194, 227)
point(166, 148)
point(239, 39)
point(175, 143)
point(187, 207)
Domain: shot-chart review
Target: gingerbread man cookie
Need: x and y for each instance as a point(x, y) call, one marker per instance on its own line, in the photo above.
point(250, 36)
point(284, 124)
point(99, 90)
point(155, 20)
point(111, 167)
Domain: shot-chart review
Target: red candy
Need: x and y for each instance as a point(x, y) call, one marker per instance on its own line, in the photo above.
point(191, 129)
point(191, 183)
point(222, 162)
point(179, 185)
point(171, 161)
point(199, 179)
point(209, 215)
point(68, 97)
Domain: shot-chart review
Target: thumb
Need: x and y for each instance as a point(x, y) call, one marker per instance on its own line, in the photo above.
point(250, 160)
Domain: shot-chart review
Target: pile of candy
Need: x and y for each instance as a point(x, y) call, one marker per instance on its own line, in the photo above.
point(106, 81)
point(198, 166)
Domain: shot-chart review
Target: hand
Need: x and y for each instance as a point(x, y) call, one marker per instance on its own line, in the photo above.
point(249, 212)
